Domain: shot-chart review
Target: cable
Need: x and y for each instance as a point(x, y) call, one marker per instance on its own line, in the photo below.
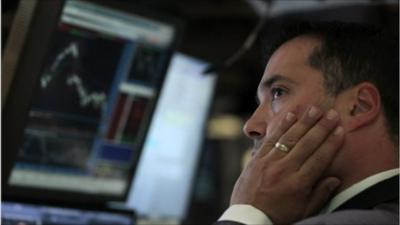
point(245, 46)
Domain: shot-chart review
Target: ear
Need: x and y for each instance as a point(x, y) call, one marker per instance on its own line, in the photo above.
point(364, 105)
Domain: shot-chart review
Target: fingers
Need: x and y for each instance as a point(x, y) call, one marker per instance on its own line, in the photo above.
point(321, 159)
point(283, 125)
point(313, 138)
point(321, 194)
point(298, 130)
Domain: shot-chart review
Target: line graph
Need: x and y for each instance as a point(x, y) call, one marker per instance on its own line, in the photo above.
point(78, 75)
point(71, 49)
point(95, 98)
point(73, 79)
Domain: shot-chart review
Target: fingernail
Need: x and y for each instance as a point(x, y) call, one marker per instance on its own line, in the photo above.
point(338, 131)
point(313, 112)
point(331, 115)
point(290, 117)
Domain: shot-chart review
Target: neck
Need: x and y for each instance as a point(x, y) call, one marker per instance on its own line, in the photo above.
point(363, 157)
point(353, 179)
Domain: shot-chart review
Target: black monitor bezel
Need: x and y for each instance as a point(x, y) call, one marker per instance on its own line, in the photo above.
point(16, 106)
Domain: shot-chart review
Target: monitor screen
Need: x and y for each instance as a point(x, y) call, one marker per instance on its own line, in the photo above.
point(17, 213)
point(172, 149)
point(93, 102)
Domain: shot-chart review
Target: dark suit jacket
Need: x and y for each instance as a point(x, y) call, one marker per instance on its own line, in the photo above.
point(378, 204)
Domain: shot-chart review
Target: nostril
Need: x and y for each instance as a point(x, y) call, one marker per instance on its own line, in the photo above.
point(254, 134)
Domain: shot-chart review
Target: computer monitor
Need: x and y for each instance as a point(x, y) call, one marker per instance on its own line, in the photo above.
point(169, 163)
point(81, 98)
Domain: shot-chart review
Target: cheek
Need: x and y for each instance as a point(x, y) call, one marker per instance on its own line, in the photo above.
point(273, 124)
point(297, 109)
point(296, 105)
point(299, 104)
point(294, 102)
point(280, 115)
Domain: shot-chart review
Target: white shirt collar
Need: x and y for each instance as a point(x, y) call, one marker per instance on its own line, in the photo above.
point(358, 188)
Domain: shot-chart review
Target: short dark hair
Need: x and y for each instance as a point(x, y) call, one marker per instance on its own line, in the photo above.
point(349, 54)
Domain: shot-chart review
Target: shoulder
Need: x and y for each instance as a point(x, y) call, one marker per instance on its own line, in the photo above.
point(381, 214)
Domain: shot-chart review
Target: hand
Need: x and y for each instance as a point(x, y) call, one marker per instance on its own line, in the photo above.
point(291, 186)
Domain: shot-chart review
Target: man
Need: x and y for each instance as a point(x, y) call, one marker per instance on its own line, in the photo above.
point(326, 126)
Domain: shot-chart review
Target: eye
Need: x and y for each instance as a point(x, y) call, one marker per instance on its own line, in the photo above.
point(277, 92)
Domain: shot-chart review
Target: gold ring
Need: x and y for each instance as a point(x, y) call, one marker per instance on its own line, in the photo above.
point(282, 147)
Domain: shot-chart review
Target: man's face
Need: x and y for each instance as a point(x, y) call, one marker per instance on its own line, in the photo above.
point(289, 83)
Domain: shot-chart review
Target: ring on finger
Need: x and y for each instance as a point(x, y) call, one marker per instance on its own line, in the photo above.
point(282, 147)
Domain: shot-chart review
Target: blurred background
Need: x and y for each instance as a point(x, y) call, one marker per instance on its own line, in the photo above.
point(222, 36)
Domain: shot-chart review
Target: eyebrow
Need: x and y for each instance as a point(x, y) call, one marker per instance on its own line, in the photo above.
point(274, 78)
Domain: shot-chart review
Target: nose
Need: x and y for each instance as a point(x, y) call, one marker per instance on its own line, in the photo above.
point(255, 126)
